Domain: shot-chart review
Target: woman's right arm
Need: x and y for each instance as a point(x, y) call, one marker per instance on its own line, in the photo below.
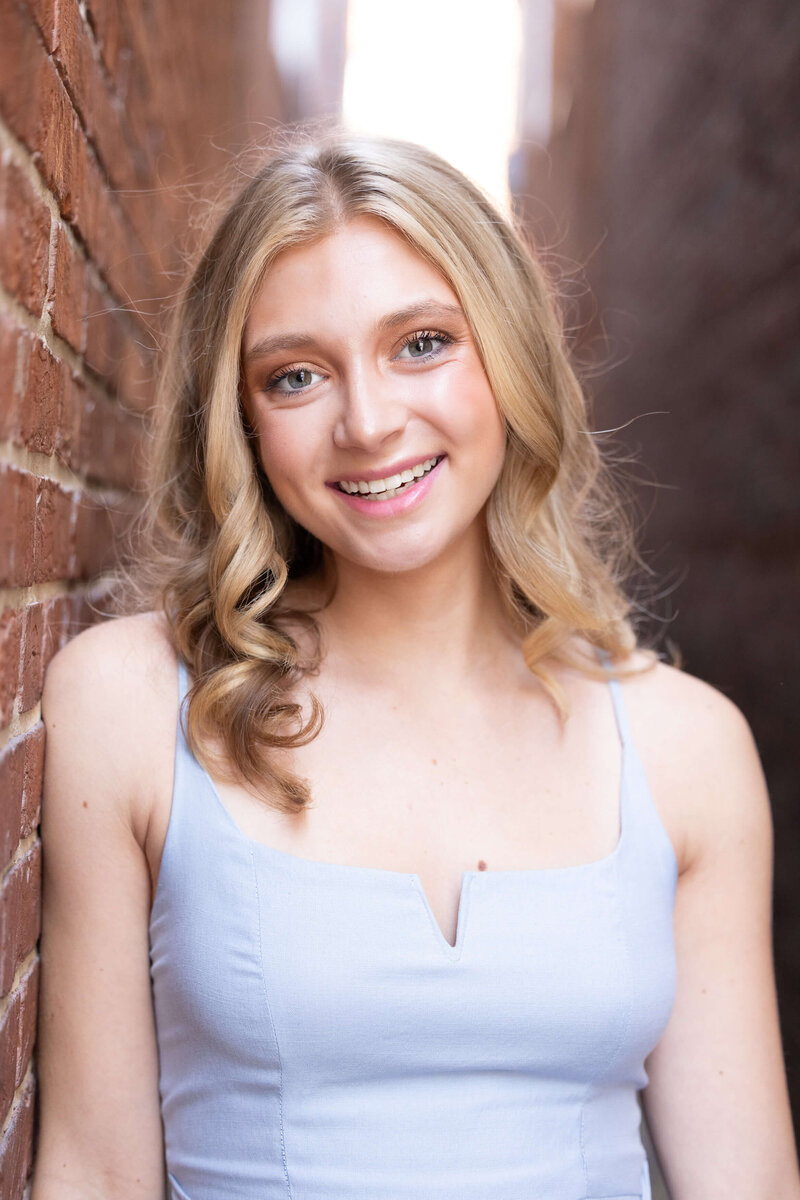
point(100, 1133)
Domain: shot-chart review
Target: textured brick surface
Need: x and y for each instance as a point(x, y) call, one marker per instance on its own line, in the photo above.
point(17, 522)
point(17, 1029)
point(20, 786)
point(68, 300)
point(41, 381)
point(19, 914)
point(16, 1146)
point(24, 238)
point(10, 645)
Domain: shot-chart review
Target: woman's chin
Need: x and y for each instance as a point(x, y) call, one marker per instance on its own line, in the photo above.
point(402, 556)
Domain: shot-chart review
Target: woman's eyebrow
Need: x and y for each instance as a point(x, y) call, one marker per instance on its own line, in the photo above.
point(306, 341)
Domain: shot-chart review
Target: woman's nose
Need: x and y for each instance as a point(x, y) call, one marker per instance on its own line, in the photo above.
point(371, 413)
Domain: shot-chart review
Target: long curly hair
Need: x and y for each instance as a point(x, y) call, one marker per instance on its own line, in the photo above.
point(213, 548)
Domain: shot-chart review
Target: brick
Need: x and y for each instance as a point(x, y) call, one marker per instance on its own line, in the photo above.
point(57, 626)
point(12, 347)
point(31, 666)
point(96, 436)
point(67, 303)
point(44, 14)
point(107, 21)
point(105, 333)
point(69, 420)
point(24, 238)
point(20, 911)
point(59, 143)
point(16, 1148)
point(42, 396)
point(12, 774)
point(53, 540)
point(10, 645)
point(99, 225)
point(73, 54)
point(35, 104)
point(21, 765)
point(111, 443)
point(98, 352)
point(136, 376)
point(21, 54)
point(86, 611)
point(33, 771)
point(17, 1030)
point(129, 458)
point(154, 231)
point(42, 416)
point(17, 519)
point(101, 115)
point(95, 536)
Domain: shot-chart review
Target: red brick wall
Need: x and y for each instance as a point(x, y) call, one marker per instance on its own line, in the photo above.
point(104, 107)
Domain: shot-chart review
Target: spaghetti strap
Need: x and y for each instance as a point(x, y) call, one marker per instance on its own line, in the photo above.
point(625, 735)
point(620, 713)
point(183, 688)
point(183, 681)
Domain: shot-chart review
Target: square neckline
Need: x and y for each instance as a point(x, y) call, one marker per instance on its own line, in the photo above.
point(412, 878)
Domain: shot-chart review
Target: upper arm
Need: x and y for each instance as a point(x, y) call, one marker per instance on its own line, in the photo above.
point(717, 1101)
point(100, 1128)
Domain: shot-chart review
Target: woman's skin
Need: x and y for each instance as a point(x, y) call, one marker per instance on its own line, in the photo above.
point(440, 752)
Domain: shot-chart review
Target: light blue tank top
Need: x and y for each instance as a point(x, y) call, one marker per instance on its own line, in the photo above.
point(319, 1039)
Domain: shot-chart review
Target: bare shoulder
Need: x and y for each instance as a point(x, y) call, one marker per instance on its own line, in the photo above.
point(666, 704)
point(134, 645)
point(699, 755)
point(108, 706)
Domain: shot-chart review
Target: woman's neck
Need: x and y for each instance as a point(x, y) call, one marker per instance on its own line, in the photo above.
point(447, 616)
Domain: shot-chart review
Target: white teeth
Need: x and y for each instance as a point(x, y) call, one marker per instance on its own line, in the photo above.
point(389, 486)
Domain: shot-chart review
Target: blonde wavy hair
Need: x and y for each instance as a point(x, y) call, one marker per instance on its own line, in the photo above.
point(213, 549)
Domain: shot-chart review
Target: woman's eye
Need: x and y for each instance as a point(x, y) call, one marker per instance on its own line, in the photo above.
point(294, 381)
point(424, 344)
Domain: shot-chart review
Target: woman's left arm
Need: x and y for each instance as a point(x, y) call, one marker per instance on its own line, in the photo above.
point(717, 1103)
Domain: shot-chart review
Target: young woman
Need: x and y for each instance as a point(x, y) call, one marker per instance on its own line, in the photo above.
point(440, 869)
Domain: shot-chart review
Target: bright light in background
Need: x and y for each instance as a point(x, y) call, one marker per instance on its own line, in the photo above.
point(444, 74)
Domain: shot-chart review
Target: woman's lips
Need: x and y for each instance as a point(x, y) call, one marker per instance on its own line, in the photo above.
point(393, 469)
point(405, 498)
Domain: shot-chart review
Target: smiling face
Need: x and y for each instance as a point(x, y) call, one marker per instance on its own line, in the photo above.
point(375, 421)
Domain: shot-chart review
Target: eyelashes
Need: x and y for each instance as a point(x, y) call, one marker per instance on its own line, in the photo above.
point(300, 369)
point(427, 335)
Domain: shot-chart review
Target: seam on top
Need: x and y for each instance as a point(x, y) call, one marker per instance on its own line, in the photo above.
point(624, 944)
point(272, 1026)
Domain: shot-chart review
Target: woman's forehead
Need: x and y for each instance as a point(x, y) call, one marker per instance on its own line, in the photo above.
point(362, 270)
point(364, 242)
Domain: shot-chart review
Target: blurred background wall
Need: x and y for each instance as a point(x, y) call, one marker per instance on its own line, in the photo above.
point(647, 148)
point(669, 188)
